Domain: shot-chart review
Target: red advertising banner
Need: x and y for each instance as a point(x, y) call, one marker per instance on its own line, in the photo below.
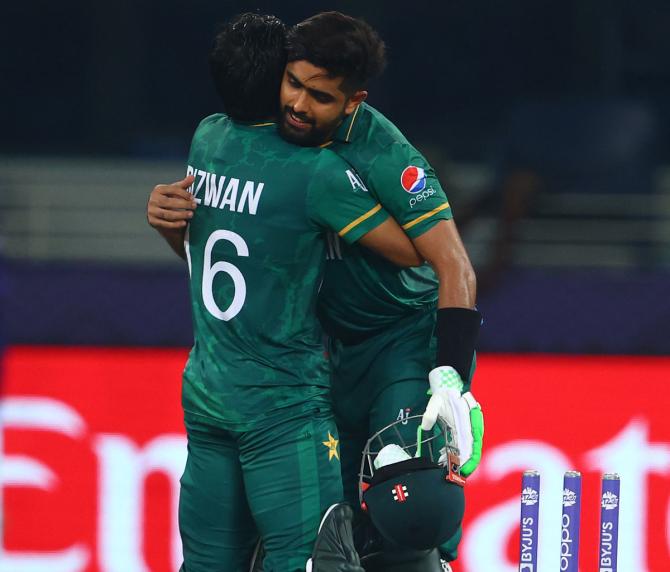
point(93, 449)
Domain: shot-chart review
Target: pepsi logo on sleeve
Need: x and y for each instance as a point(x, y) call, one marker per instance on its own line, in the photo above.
point(413, 179)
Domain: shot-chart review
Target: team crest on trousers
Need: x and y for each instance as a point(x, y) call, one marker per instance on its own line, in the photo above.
point(332, 447)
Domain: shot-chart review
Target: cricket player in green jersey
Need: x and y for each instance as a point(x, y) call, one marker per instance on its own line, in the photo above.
point(389, 327)
point(263, 457)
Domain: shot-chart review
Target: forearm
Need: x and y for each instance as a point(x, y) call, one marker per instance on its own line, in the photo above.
point(442, 247)
point(458, 322)
point(389, 241)
point(457, 283)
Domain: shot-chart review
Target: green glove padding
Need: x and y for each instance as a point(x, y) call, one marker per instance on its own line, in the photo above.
point(477, 423)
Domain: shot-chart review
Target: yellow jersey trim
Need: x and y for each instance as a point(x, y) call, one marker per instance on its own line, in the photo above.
point(263, 124)
point(326, 144)
point(424, 216)
point(359, 220)
point(351, 125)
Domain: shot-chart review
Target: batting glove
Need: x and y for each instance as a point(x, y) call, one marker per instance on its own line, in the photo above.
point(459, 411)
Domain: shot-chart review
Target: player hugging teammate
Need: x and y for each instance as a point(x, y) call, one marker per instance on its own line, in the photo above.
point(264, 454)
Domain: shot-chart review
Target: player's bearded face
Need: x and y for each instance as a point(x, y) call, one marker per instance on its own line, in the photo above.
point(312, 104)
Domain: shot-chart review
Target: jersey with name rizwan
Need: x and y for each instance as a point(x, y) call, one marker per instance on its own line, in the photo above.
point(256, 252)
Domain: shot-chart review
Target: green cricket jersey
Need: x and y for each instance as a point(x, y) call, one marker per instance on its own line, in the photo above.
point(256, 252)
point(363, 293)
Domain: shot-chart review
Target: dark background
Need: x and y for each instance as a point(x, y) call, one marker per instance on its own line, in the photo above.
point(129, 77)
point(573, 96)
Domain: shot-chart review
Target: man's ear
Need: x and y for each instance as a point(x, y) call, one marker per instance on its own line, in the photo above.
point(354, 101)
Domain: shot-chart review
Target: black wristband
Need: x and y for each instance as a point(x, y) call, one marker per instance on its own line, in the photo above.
point(457, 331)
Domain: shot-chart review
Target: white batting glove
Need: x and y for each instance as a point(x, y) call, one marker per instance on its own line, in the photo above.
point(459, 411)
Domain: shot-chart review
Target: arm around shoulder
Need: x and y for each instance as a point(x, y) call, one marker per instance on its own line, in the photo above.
point(389, 241)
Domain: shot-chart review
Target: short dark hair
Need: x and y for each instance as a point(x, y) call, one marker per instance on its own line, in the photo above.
point(247, 63)
point(347, 47)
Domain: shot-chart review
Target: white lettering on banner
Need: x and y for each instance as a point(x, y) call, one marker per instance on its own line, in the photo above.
point(41, 414)
point(124, 464)
point(73, 559)
point(20, 471)
point(632, 456)
point(629, 453)
point(124, 468)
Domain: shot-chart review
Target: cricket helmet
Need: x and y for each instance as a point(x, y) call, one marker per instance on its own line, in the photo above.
point(413, 492)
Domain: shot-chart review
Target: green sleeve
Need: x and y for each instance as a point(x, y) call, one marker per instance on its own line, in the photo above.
point(405, 183)
point(339, 201)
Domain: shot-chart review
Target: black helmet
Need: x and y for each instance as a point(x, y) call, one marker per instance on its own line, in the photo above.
point(414, 501)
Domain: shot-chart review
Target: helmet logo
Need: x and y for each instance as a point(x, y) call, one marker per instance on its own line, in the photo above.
point(400, 493)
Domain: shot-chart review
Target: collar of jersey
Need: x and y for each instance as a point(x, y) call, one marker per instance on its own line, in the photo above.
point(254, 123)
point(345, 132)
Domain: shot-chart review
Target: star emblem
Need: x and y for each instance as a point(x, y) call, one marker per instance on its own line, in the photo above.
point(332, 447)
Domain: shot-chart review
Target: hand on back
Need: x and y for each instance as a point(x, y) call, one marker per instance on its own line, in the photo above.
point(171, 206)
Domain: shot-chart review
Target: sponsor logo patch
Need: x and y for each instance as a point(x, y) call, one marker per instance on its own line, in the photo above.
point(355, 181)
point(421, 196)
point(413, 179)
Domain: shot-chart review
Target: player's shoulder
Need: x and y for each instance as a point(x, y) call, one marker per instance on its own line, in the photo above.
point(330, 171)
point(214, 120)
point(325, 160)
point(330, 167)
point(212, 123)
point(372, 127)
point(305, 162)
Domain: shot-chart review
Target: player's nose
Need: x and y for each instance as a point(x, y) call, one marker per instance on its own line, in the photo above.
point(301, 104)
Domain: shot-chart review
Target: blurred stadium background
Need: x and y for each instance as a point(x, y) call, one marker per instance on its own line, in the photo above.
point(549, 124)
